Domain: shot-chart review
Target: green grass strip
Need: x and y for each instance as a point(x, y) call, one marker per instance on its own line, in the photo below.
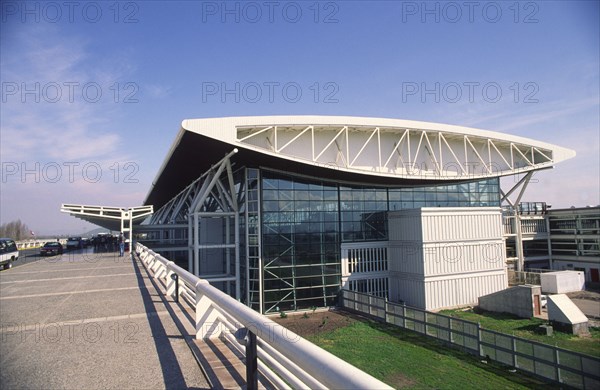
point(405, 359)
point(526, 328)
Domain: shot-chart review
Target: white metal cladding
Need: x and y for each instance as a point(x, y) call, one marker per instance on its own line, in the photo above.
point(452, 227)
point(384, 147)
point(406, 257)
point(460, 291)
point(403, 287)
point(444, 257)
point(463, 258)
point(413, 219)
point(448, 224)
point(444, 293)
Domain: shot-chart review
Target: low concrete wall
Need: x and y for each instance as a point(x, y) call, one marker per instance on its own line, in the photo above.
point(516, 300)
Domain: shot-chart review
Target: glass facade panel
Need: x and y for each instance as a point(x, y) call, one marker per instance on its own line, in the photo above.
point(305, 221)
point(252, 232)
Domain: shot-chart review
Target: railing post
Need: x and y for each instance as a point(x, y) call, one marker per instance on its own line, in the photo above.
point(176, 278)
point(251, 362)
point(207, 321)
point(154, 266)
point(514, 352)
point(557, 364)
point(479, 346)
point(386, 311)
point(172, 283)
point(150, 260)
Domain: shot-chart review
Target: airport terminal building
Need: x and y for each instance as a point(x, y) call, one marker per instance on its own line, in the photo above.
point(282, 212)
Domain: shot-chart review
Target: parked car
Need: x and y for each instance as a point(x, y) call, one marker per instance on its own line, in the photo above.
point(51, 248)
point(8, 252)
point(74, 243)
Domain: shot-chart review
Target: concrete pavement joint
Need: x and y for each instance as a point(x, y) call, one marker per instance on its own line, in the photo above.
point(82, 321)
point(72, 292)
point(67, 278)
point(67, 270)
point(101, 347)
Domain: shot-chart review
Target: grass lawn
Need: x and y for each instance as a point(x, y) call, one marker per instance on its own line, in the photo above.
point(525, 328)
point(406, 359)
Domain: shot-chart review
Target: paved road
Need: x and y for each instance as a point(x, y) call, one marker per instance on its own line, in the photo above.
point(27, 256)
point(588, 307)
point(89, 321)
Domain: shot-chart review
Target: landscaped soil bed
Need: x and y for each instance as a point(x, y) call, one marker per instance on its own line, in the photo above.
point(311, 323)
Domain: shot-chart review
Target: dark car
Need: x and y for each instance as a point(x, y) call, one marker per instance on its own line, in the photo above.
point(51, 249)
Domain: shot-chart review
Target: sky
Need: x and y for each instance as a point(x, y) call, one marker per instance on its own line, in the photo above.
point(93, 93)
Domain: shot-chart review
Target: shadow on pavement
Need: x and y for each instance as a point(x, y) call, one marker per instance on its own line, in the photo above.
point(172, 375)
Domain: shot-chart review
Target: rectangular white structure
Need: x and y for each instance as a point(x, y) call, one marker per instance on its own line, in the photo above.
point(562, 282)
point(365, 267)
point(445, 257)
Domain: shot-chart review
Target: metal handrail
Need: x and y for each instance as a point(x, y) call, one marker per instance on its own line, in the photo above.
point(219, 315)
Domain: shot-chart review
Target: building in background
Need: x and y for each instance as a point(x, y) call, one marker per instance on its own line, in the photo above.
point(555, 239)
point(282, 211)
point(526, 234)
point(574, 241)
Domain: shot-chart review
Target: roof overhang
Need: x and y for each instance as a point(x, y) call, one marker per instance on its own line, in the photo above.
point(108, 217)
point(357, 149)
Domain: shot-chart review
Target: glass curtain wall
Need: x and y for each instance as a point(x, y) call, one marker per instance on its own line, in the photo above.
point(300, 243)
point(305, 220)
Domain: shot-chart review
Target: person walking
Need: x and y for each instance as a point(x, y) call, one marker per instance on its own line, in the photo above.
point(121, 245)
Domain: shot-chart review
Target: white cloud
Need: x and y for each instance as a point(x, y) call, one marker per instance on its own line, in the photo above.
point(59, 128)
point(64, 104)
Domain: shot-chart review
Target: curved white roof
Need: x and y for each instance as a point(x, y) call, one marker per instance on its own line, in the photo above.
point(376, 147)
point(384, 147)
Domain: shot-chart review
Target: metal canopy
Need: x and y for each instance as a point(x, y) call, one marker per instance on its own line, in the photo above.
point(375, 151)
point(111, 218)
point(194, 154)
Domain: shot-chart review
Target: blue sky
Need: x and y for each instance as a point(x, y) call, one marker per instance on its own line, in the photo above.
point(93, 93)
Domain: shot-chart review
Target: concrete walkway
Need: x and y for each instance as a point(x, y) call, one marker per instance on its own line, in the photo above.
point(223, 364)
point(90, 321)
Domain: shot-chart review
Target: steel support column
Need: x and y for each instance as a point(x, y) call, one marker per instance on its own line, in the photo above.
point(523, 183)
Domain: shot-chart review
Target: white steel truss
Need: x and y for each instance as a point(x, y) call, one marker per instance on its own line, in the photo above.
point(112, 218)
point(410, 153)
point(213, 195)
